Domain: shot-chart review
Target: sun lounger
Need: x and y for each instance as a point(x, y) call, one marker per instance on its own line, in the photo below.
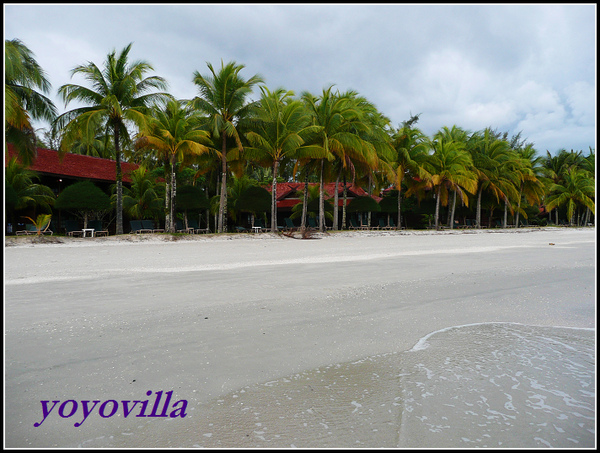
point(149, 225)
point(289, 225)
point(138, 228)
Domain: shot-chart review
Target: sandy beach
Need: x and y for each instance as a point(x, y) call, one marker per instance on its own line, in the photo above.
point(209, 318)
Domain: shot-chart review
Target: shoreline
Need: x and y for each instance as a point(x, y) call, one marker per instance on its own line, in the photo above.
point(147, 238)
point(205, 317)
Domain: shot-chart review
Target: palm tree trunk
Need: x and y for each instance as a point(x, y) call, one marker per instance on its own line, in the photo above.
point(399, 226)
point(451, 220)
point(519, 207)
point(119, 178)
point(172, 204)
point(505, 222)
point(336, 199)
point(274, 198)
point(167, 200)
point(223, 198)
point(321, 200)
point(369, 213)
point(478, 216)
point(437, 208)
point(304, 204)
point(344, 203)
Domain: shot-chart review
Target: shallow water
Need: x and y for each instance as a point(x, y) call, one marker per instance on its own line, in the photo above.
point(485, 385)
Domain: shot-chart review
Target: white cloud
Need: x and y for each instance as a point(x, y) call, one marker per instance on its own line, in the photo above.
point(516, 68)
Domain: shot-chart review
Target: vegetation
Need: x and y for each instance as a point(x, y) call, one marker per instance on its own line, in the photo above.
point(83, 199)
point(221, 146)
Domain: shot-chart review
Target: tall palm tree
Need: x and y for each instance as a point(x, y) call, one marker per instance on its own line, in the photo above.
point(280, 129)
point(411, 147)
point(527, 170)
point(555, 167)
point(173, 132)
point(25, 86)
point(339, 120)
point(577, 187)
point(223, 97)
point(450, 169)
point(120, 96)
point(491, 156)
point(143, 199)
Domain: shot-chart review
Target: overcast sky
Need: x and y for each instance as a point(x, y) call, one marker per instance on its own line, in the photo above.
point(528, 68)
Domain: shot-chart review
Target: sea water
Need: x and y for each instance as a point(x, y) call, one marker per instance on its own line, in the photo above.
point(497, 385)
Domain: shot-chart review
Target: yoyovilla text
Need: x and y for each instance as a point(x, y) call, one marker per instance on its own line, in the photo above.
point(108, 408)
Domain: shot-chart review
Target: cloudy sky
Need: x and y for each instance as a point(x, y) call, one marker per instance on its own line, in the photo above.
point(516, 68)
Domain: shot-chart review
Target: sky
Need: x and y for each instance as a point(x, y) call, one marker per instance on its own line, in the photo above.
point(512, 67)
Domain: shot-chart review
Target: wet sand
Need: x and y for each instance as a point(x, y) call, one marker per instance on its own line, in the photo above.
point(114, 318)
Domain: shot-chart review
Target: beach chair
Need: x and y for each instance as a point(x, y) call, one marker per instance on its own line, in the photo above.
point(137, 227)
point(72, 228)
point(97, 226)
point(356, 226)
point(180, 228)
point(289, 225)
point(29, 229)
point(383, 226)
point(312, 224)
point(193, 223)
point(149, 225)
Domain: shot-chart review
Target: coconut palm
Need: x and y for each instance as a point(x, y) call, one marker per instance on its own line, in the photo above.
point(527, 169)
point(223, 97)
point(172, 133)
point(450, 169)
point(411, 147)
point(279, 130)
point(119, 97)
point(143, 199)
point(339, 118)
point(491, 156)
point(29, 193)
point(555, 167)
point(23, 192)
point(576, 187)
point(25, 86)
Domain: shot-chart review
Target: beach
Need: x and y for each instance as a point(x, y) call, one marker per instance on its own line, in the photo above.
point(257, 332)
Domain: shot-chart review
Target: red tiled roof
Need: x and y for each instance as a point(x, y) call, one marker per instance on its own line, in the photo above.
point(285, 189)
point(75, 165)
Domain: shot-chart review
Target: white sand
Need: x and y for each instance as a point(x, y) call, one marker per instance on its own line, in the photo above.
point(111, 318)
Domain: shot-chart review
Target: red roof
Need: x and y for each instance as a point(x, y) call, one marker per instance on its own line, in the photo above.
point(285, 189)
point(75, 165)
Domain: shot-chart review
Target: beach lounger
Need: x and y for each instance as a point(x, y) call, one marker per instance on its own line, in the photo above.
point(149, 225)
point(289, 225)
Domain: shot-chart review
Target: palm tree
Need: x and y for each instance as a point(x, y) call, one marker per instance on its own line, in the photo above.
point(280, 129)
point(527, 168)
point(143, 199)
point(223, 98)
point(24, 83)
point(491, 156)
point(411, 147)
point(577, 187)
point(120, 95)
point(450, 169)
point(26, 192)
point(173, 132)
point(555, 167)
point(339, 120)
